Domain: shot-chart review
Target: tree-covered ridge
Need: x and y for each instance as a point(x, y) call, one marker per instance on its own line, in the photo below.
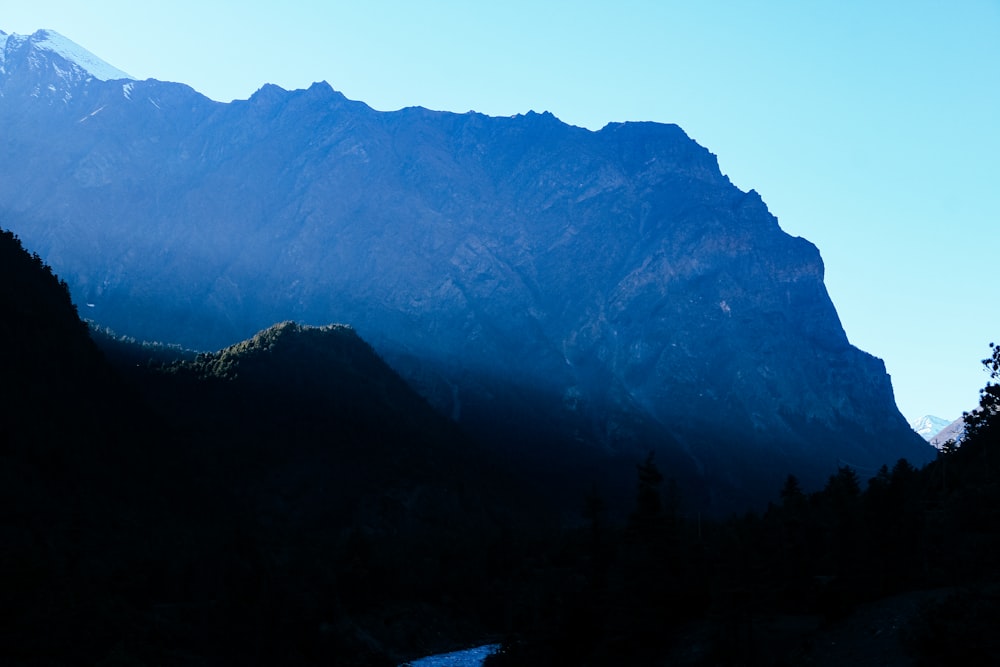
point(31, 290)
point(126, 352)
point(53, 374)
point(319, 450)
point(315, 383)
point(38, 314)
point(311, 342)
point(330, 364)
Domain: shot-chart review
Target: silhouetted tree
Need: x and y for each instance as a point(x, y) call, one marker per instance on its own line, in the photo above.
point(792, 496)
point(648, 503)
point(989, 397)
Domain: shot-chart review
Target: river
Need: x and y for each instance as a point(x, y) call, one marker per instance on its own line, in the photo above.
point(472, 657)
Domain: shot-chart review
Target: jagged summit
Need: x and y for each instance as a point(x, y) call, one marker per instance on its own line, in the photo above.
point(50, 41)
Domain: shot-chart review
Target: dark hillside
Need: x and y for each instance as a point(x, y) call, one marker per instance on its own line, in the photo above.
point(78, 497)
point(298, 403)
point(51, 367)
point(287, 500)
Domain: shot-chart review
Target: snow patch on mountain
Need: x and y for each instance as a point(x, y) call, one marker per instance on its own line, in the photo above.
point(3, 50)
point(76, 54)
point(67, 49)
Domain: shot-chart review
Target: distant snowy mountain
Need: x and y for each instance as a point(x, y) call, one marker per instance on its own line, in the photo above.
point(929, 426)
point(82, 63)
point(953, 431)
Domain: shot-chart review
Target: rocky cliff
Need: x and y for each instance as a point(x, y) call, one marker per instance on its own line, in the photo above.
point(561, 292)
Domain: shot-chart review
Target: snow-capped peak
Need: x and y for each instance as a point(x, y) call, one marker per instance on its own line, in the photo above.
point(929, 426)
point(73, 52)
point(50, 40)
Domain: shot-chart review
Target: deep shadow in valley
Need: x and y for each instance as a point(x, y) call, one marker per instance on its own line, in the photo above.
point(289, 500)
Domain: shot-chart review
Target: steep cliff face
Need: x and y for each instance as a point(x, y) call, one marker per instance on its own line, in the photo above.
point(610, 291)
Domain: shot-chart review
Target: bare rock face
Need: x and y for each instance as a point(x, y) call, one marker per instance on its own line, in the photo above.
point(566, 294)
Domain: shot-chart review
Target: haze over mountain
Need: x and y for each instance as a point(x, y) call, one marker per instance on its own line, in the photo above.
point(561, 293)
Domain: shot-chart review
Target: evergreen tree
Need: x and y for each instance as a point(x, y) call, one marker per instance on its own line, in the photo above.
point(989, 397)
point(648, 503)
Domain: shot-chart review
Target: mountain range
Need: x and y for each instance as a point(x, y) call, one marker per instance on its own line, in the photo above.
point(610, 342)
point(568, 297)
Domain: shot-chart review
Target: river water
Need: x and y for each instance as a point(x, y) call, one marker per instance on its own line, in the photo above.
point(472, 657)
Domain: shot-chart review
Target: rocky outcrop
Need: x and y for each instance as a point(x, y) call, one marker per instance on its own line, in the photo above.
point(561, 292)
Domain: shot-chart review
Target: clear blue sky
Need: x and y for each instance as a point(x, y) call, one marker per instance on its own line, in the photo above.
point(870, 128)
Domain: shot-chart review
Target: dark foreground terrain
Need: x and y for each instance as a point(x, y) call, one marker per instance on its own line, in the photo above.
point(289, 500)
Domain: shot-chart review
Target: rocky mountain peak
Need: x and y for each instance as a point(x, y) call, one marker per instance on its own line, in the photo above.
point(52, 62)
